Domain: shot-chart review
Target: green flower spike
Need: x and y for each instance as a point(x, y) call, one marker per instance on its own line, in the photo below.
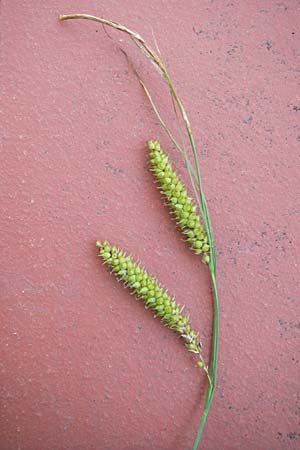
point(181, 204)
point(146, 288)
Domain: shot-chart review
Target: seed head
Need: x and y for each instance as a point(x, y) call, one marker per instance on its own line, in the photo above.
point(182, 206)
point(146, 288)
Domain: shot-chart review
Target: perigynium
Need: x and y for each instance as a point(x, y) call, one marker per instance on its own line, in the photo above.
point(181, 204)
point(146, 288)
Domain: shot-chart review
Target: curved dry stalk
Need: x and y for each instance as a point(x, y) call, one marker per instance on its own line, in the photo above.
point(158, 63)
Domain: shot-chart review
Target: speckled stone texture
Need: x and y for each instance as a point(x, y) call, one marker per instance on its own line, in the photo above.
point(83, 365)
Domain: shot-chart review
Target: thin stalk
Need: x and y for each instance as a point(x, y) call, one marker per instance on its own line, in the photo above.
point(213, 364)
point(183, 153)
point(195, 176)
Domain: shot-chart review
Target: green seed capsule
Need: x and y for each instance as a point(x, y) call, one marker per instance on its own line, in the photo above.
point(106, 256)
point(151, 293)
point(122, 272)
point(200, 364)
point(205, 247)
point(182, 206)
point(159, 307)
point(198, 244)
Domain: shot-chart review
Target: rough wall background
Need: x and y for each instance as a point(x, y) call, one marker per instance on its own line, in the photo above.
point(83, 366)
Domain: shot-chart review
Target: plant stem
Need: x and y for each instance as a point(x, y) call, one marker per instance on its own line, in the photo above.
point(213, 362)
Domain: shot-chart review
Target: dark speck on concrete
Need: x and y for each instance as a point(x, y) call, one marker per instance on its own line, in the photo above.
point(285, 326)
point(197, 31)
point(114, 170)
point(282, 5)
point(293, 435)
point(268, 45)
point(232, 49)
point(247, 120)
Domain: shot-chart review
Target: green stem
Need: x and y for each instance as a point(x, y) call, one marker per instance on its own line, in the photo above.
point(203, 417)
point(213, 359)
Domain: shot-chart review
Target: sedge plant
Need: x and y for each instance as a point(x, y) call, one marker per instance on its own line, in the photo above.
point(193, 168)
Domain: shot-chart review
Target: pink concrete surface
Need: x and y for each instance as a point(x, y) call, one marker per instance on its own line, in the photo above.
point(83, 365)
